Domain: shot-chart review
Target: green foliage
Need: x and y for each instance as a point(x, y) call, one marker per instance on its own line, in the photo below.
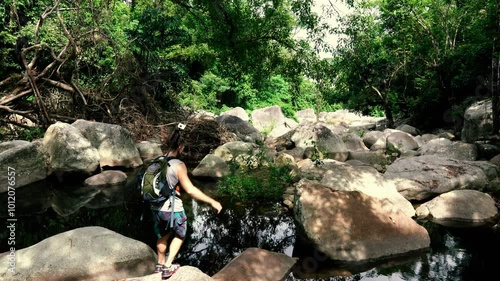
point(30, 134)
point(206, 93)
point(254, 181)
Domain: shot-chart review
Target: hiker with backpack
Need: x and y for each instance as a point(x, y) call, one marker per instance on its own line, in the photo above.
point(161, 186)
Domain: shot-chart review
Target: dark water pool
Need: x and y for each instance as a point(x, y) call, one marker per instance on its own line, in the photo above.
point(44, 210)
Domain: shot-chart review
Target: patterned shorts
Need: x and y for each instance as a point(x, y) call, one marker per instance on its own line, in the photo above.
point(162, 223)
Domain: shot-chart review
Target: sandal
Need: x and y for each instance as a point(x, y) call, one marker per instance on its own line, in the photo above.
point(168, 271)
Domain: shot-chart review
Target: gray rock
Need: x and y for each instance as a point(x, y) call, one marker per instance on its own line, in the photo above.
point(69, 150)
point(189, 273)
point(421, 177)
point(354, 143)
point(401, 142)
point(370, 138)
point(11, 144)
point(446, 148)
point(231, 150)
point(257, 265)
point(113, 142)
point(370, 182)
point(377, 159)
point(351, 226)
point(495, 160)
point(238, 112)
point(315, 170)
point(329, 144)
point(110, 177)
point(268, 118)
point(149, 150)
point(465, 207)
point(478, 121)
point(242, 129)
point(27, 163)
point(211, 166)
point(306, 115)
point(88, 253)
point(408, 129)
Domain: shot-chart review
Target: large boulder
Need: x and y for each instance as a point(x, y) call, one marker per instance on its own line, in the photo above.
point(354, 143)
point(401, 142)
point(421, 177)
point(408, 129)
point(25, 163)
point(211, 166)
point(107, 178)
point(371, 137)
point(242, 129)
point(377, 159)
point(446, 148)
point(11, 144)
point(113, 142)
point(323, 139)
point(69, 150)
point(306, 115)
point(349, 226)
point(478, 121)
point(88, 253)
point(149, 150)
point(460, 207)
point(268, 118)
point(257, 265)
point(231, 150)
point(370, 182)
point(238, 112)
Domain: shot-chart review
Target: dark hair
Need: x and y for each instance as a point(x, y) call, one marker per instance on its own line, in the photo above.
point(175, 139)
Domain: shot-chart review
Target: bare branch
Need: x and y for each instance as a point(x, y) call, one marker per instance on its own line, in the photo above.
point(10, 110)
point(59, 84)
point(10, 98)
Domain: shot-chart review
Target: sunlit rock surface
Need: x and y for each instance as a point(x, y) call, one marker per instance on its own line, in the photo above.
point(257, 265)
point(88, 253)
point(351, 226)
point(460, 207)
point(113, 142)
point(29, 162)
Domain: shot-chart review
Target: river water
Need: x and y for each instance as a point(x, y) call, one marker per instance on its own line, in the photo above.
point(44, 210)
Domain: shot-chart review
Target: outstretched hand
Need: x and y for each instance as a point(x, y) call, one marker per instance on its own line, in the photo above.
point(217, 206)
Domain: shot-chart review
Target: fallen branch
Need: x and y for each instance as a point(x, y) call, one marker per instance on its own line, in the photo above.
point(10, 98)
point(10, 110)
point(60, 85)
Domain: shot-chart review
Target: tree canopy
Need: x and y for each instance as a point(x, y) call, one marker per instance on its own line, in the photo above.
point(134, 61)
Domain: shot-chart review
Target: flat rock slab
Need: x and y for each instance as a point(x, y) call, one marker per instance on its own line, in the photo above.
point(460, 206)
point(110, 177)
point(185, 273)
point(257, 265)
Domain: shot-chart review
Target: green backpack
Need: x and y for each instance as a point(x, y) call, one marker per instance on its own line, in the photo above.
point(153, 184)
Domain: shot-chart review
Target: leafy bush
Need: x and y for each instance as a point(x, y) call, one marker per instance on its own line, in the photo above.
point(263, 183)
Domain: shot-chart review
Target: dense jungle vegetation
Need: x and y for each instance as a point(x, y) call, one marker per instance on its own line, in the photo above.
point(135, 62)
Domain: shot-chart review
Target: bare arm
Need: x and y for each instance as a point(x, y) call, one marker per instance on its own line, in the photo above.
point(192, 190)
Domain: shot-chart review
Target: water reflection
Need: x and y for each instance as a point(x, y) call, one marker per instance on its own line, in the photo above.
point(213, 240)
point(45, 209)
